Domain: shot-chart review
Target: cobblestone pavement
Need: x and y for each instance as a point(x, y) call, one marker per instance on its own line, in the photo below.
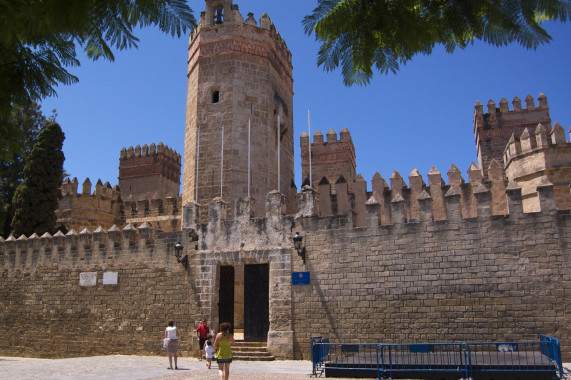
point(151, 367)
point(144, 367)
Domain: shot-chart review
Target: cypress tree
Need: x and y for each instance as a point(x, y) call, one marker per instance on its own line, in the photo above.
point(36, 199)
point(28, 120)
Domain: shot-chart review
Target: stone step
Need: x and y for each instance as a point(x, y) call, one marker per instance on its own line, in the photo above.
point(250, 344)
point(254, 358)
point(251, 351)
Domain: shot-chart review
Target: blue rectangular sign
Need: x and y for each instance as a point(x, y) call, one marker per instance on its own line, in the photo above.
point(300, 278)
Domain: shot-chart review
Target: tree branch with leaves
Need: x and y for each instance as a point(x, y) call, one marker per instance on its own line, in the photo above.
point(362, 35)
point(38, 43)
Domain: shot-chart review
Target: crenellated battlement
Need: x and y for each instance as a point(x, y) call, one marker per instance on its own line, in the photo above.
point(163, 213)
point(86, 249)
point(504, 107)
point(85, 209)
point(150, 150)
point(146, 170)
point(397, 202)
point(530, 141)
point(209, 25)
point(493, 129)
point(384, 206)
point(103, 190)
point(537, 156)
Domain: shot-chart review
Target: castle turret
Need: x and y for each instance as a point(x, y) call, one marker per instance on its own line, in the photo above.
point(538, 157)
point(494, 128)
point(240, 87)
point(330, 159)
point(82, 210)
point(149, 171)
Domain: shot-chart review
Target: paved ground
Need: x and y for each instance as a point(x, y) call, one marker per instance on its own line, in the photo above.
point(144, 367)
point(151, 367)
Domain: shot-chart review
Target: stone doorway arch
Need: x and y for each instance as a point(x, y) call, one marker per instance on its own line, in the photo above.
point(278, 261)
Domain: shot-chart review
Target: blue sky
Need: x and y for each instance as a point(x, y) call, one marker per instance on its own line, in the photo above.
point(418, 118)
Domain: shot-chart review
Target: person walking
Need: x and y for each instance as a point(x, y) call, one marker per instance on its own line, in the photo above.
point(209, 350)
point(223, 349)
point(202, 332)
point(172, 335)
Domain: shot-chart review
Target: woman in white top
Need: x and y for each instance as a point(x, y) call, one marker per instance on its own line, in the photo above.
point(172, 334)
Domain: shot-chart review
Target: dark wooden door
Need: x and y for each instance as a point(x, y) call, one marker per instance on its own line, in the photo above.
point(256, 302)
point(226, 296)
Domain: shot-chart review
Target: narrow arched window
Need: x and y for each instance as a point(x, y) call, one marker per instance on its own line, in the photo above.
point(218, 15)
point(215, 96)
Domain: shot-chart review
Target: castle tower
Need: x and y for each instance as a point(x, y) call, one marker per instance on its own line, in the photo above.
point(238, 71)
point(494, 128)
point(149, 171)
point(330, 159)
point(539, 158)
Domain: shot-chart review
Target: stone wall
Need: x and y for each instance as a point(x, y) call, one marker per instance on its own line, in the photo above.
point(46, 313)
point(102, 208)
point(161, 213)
point(483, 278)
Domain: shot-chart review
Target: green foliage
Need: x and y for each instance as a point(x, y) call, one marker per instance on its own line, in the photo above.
point(361, 34)
point(36, 199)
point(39, 38)
point(28, 121)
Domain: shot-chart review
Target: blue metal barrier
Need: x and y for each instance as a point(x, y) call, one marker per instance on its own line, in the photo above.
point(552, 349)
point(538, 359)
point(422, 358)
point(500, 357)
point(355, 358)
point(319, 353)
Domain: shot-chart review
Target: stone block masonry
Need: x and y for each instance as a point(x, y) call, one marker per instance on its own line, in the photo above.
point(47, 313)
point(484, 277)
point(240, 86)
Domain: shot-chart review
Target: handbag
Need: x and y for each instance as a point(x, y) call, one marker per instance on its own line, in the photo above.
point(165, 343)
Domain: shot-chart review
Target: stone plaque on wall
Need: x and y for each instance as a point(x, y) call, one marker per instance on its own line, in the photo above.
point(110, 278)
point(88, 279)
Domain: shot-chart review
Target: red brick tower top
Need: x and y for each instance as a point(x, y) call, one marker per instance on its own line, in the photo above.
point(330, 159)
point(494, 128)
point(149, 171)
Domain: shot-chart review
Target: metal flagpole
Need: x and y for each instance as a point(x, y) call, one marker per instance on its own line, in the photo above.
point(221, 162)
point(279, 189)
point(309, 131)
point(197, 156)
point(248, 158)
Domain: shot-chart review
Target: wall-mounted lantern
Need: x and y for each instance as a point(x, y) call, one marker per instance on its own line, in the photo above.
point(177, 252)
point(298, 244)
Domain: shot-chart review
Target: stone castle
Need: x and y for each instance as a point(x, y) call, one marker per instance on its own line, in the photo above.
point(483, 259)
